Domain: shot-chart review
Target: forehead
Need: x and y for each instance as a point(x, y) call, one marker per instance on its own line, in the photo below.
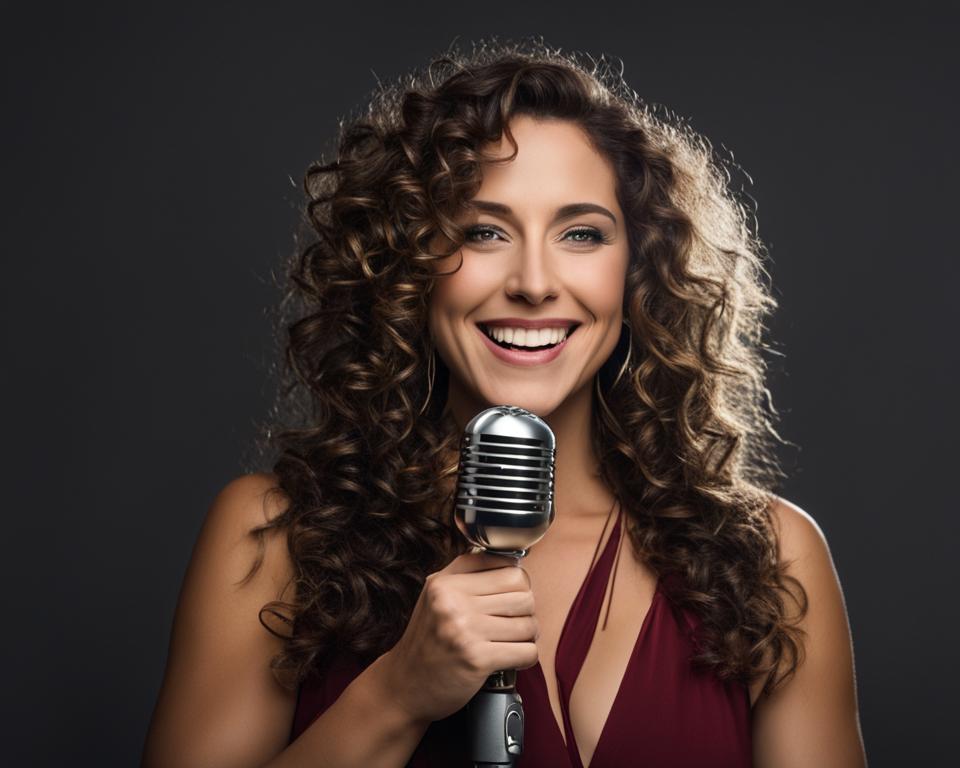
point(555, 160)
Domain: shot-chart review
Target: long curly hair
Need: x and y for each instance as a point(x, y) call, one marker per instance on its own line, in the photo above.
point(365, 454)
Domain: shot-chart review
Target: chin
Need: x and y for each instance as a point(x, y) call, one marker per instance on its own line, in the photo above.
point(541, 404)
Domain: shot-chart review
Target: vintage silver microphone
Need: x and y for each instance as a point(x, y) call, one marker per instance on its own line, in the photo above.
point(504, 505)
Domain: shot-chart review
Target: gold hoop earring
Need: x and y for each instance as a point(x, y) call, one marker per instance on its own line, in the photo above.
point(626, 360)
point(596, 383)
point(431, 374)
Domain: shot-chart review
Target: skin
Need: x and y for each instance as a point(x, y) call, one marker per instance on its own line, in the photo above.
point(220, 705)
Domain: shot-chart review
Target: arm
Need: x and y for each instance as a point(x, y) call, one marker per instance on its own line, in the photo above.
point(812, 718)
point(220, 704)
point(361, 728)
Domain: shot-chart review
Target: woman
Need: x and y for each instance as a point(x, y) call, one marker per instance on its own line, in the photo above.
point(514, 227)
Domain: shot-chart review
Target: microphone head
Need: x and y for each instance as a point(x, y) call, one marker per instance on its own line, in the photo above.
point(504, 500)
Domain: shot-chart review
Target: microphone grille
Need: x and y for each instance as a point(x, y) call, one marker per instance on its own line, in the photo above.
point(504, 498)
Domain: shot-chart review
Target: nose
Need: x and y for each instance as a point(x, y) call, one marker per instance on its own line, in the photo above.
point(532, 275)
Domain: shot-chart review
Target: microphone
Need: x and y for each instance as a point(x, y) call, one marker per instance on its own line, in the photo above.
point(504, 505)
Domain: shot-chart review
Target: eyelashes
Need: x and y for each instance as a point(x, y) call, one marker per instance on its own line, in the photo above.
point(592, 235)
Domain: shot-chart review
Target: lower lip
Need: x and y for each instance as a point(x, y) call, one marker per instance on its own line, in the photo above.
point(517, 357)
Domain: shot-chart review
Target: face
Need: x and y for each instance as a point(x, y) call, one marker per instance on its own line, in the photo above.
point(527, 264)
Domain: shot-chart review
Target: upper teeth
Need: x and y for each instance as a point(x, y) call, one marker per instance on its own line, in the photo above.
point(528, 337)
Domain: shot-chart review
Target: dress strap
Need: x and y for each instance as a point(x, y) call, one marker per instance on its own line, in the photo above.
point(579, 627)
point(596, 549)
point(616, 562)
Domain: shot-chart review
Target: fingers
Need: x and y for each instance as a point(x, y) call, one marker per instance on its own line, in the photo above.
point(513, 578)
point(477, 561)
point(516, 603)
point(515, 655)
point(501, 629)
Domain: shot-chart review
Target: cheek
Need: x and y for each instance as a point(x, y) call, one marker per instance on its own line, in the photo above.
point(457, 294)
point(452, 298)
point(601, 287)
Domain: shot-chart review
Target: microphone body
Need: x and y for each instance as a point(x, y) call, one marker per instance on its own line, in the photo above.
point(504, 505)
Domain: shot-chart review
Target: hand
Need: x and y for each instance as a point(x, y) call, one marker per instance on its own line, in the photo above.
point(473, 617)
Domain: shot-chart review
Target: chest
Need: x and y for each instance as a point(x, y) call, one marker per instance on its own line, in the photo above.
point(558, 569)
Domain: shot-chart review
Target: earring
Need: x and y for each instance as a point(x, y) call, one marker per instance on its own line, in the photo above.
point(431, 374)
point(626, 360)
point(596, 386)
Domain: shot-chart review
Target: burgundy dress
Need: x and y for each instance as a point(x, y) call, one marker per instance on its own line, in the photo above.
point(665, 714)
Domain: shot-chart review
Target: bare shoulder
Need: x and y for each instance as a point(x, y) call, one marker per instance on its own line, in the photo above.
point(804, 550)
point(812, 717)
point(806, 557)
point(228, 540)
point(241, 506)
point(220, 703)
point(803, 545)
point(247, 501)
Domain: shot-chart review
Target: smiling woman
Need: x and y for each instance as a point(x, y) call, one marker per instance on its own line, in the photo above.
point(515, 227)
point(556, 258)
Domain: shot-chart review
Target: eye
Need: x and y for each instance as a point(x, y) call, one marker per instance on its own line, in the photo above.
point(478, 234)
point(591, 235)
point(480, 230)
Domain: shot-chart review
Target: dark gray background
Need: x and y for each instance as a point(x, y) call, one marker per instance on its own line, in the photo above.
point(147, 197)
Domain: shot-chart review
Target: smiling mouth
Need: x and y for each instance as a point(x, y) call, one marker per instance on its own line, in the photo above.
point(519, 347)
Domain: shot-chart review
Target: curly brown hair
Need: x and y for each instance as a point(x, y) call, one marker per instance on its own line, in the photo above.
point(365, 449)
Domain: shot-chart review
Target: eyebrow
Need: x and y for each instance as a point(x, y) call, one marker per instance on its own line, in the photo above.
point(564, 212)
